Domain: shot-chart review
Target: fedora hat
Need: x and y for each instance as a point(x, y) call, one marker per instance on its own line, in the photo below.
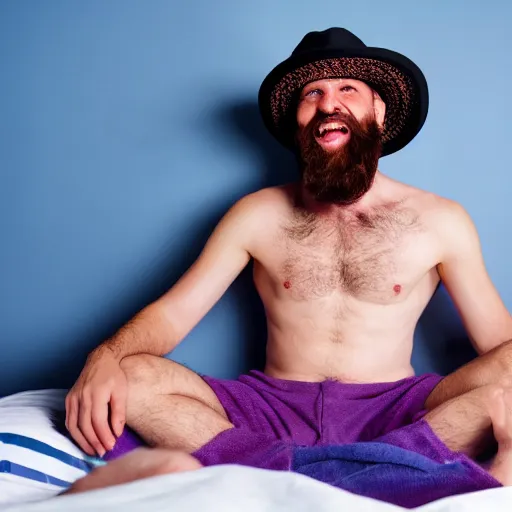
point(337, 53)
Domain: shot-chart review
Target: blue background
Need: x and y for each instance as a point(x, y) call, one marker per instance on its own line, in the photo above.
point(129, 127)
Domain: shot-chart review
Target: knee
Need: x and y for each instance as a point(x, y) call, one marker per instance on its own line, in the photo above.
point(503, 359)
point(139, 369)
point(488, 393)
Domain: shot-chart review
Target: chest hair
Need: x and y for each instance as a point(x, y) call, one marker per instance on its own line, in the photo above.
point(357, 253)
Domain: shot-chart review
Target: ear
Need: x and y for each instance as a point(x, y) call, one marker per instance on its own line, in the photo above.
point(379, 107)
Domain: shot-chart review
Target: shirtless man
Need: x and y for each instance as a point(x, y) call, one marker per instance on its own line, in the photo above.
point(345, 262)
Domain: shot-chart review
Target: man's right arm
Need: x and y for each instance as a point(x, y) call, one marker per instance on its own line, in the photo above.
point(158, 328)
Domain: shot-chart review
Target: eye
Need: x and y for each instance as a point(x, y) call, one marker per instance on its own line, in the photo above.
point(347, 88)
point(313, 92)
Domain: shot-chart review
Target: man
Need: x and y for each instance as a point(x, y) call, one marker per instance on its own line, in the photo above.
point(345, 262)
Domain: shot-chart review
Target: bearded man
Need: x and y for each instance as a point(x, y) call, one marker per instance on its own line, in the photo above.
point(345, 261)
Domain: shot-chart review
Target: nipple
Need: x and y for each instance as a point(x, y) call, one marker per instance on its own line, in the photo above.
point(287, 284)
point(397, 289)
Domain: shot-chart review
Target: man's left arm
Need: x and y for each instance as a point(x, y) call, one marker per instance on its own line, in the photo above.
point(463, 272)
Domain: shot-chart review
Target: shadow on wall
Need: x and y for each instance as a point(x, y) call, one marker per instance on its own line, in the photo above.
point(441, 344)
point(242, 122)
point(236, 124)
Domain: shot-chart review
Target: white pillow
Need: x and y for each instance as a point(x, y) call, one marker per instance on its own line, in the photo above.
point(36, 460)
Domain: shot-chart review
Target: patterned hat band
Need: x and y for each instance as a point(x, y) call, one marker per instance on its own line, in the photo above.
point(395, 88)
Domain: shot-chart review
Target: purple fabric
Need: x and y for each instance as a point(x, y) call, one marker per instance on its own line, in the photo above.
point(370, 439)
point(389, 473)
point(125, 443)
point(328, 412)
point(408, 466)
point(389, 469)
point(306, 413)
point(420, 438)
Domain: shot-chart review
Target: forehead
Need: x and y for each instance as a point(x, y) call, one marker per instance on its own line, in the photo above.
point(326, 82)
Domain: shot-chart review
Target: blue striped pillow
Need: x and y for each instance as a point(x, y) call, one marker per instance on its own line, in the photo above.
point(31, 447)
point(36, 460)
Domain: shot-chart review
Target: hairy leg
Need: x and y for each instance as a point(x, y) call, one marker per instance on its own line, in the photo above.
point(492, 368)
point(170, 406)
point(464, 423)
point(138, 464)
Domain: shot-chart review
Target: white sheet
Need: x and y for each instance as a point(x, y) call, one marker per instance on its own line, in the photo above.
point(241, 489)
point(29, 414)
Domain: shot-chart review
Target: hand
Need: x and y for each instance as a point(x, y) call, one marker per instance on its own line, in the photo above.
point(101, 383)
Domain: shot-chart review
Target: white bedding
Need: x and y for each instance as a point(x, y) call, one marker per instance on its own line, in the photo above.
point(236, 488)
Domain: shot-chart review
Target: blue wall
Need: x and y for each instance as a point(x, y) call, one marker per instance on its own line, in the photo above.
point(129, 127)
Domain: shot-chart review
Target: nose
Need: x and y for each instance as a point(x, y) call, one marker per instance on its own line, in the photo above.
point(329, 104)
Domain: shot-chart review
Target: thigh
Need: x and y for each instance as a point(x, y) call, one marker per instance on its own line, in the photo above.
point(162, 376)
point(488, 369)
point(393, 405)
point(464, 423)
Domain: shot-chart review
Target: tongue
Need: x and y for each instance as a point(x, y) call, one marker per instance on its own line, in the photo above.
point(332, 135)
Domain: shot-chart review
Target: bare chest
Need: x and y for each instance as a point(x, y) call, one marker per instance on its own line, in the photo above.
point(378, 257)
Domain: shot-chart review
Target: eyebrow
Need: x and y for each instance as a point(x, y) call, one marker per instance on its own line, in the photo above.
point(311, 86)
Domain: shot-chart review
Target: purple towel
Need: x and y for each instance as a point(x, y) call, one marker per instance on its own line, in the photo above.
point(408, 467)
point(327, 412)
point(364, 438)
point(312, 413)
point(389, 473)
point(389, 469)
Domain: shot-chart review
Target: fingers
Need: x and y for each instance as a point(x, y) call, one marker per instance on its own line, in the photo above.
point(72, 424)
point(118, 410)
point(99, 420)
point(85, 423)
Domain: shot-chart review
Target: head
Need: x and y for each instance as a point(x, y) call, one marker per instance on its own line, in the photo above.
point(339, 124)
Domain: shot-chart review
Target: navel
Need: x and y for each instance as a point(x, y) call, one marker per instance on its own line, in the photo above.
point(397, 289)
point(287, 284)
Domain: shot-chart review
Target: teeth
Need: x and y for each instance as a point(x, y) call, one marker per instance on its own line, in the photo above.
point(332, 126)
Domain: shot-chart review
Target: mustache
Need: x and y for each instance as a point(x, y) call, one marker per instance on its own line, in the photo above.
point(337, 117)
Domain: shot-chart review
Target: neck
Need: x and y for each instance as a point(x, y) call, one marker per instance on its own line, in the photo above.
point(306, 200)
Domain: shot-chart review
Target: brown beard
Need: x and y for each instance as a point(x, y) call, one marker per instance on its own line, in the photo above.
point(342, 176)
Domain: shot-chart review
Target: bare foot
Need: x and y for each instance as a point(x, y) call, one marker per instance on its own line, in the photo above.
point(501, 416)
point(138, 464)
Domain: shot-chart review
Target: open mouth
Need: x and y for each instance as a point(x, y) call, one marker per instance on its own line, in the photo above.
point(327, 128)
point(332, 131)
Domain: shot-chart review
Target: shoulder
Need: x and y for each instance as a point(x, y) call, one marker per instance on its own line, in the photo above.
point(252, 216)
point(433, 208)
point(449, 223)
point(445, 219)
point(442, 213)
point(259, 206)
